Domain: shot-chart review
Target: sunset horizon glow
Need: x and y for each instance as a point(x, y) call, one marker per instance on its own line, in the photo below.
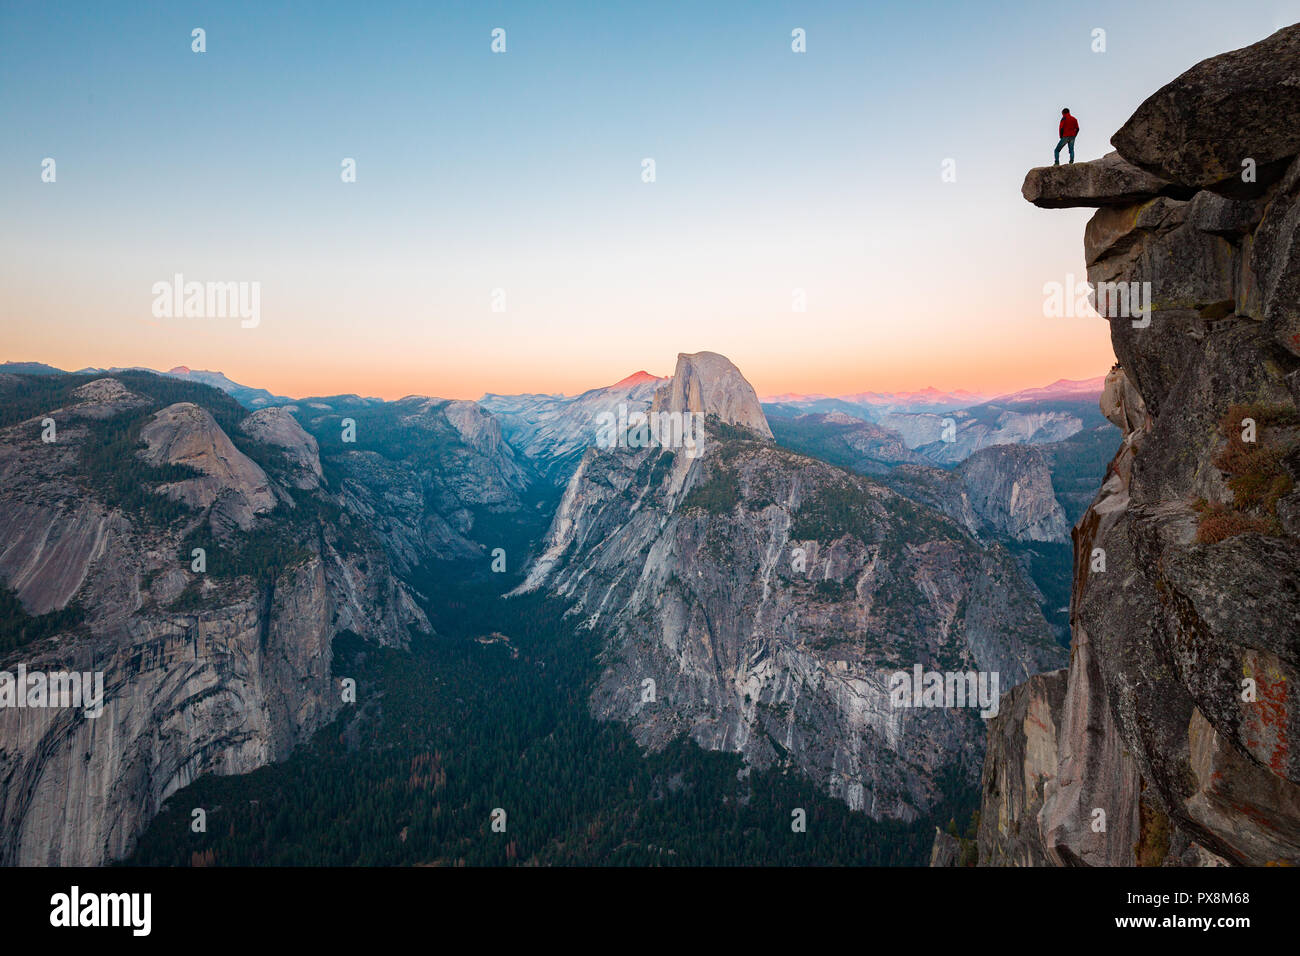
point(500, 236)
point(302, 383)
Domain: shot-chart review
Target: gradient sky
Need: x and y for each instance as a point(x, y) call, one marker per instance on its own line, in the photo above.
point(522, 171)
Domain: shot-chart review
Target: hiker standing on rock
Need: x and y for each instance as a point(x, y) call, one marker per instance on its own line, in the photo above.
point(1068, 129)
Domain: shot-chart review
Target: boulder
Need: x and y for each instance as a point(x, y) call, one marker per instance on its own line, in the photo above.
point(1198, 129)
point(1121, 403)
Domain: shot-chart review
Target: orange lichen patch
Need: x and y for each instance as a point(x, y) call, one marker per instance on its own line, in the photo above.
point(1265, 414)
point(1256, 815)
point(1264, 722)
point(1031, 719)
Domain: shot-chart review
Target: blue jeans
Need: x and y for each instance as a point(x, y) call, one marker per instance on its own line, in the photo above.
point(1067, 141)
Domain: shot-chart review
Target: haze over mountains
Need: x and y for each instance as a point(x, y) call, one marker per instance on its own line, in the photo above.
point(933, 399)
point(929, 398)
point(551, 431)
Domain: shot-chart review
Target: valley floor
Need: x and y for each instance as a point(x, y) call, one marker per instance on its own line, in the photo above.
point(465, 724)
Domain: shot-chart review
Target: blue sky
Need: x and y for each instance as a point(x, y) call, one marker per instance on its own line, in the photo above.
point(521, 171)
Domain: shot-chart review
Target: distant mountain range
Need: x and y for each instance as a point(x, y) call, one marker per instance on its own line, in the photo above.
point(870, 404)
point(247, 396)
point(552, 431)
point(928, 399)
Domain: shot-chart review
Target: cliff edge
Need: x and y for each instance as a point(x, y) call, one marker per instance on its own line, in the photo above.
point(1173, 742)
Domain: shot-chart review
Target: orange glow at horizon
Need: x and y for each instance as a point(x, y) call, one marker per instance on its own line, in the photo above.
point(1085, 352)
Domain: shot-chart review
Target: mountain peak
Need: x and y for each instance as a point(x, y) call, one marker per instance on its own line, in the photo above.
point(637, 378)
point(708, 382)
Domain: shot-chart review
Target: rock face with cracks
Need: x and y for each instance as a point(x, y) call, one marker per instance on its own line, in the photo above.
point(759, 602)
point(707, 382)
point(206, 671)
point(1180, 714)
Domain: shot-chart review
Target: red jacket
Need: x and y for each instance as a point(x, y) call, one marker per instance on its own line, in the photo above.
point(1069, 126)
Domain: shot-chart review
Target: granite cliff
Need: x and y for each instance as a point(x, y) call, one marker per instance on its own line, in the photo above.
point(160, 536)
point(758, 601)
point(1170, 739)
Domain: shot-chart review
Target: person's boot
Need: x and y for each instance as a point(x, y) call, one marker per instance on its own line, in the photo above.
point(1056, 162)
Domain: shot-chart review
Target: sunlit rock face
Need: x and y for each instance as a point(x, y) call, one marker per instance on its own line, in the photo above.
point(707, 382)
point(185, 434)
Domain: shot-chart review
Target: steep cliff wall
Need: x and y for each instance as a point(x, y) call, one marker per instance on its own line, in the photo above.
point(1175, 739)
point(212, 671)
point(759, 601)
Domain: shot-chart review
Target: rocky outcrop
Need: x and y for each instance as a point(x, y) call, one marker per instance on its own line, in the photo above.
point(187, 435)
point(1199, 129)
point(1182, 706)
point(476, 427)
point(1022, 757)
point(707, 382)
point(102, 398)
point(1009, 488)
point(1004, 491)
point(1122, 403)
point(420, 472)
point(276, 426)
point(184, 695)
point(553, 431)
point(946, 850)
point(1109, 181)
point(475, 466)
